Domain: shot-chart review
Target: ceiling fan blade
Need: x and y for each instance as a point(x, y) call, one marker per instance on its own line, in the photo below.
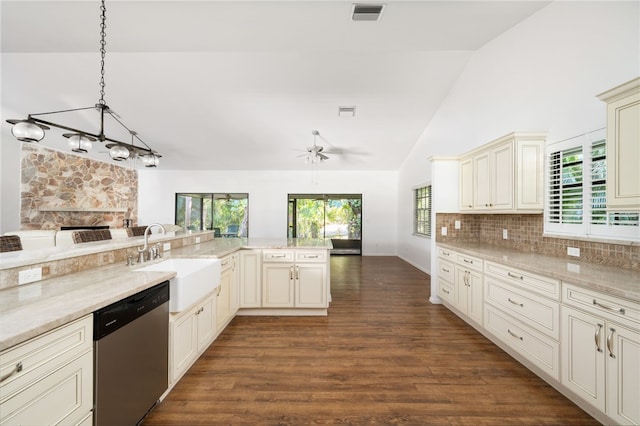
point(324, 157)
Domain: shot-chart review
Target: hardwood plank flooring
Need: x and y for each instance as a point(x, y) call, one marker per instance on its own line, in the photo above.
point(384, 355)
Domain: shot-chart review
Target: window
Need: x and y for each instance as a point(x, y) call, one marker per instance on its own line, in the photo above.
point(577, 191)
point(225, 214)
point(422, 220)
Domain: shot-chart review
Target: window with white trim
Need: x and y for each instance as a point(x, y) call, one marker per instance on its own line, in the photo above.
point(577, 191)
point(422, 219)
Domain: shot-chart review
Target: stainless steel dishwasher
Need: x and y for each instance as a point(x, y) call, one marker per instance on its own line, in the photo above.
point(131, 350)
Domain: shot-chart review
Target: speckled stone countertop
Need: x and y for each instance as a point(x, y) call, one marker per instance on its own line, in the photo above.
point(33, 309)
point(615, 281)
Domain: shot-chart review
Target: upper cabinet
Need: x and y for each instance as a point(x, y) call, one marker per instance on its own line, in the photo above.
point(504, 176)
point(623, 145)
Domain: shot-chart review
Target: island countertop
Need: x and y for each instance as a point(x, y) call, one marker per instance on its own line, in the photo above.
point(32, 309)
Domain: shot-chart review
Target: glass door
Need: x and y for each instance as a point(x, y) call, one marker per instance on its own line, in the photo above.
point(334, 216)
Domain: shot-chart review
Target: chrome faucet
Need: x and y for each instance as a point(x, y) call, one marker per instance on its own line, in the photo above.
point(144, 253)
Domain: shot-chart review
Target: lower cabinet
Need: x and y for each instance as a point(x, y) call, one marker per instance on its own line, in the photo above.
point(190, 333)
point(460, 283)
point(468, 293)
point(601, 353)
point(49, 379)
point(250, 285)
point(227, 301)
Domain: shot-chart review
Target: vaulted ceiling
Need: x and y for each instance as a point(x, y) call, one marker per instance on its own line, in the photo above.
point(242, 84)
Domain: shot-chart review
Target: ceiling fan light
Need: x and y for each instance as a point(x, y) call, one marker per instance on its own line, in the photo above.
point(79, 142)
point(27, 130)
point(119, 152)
point(150, 160)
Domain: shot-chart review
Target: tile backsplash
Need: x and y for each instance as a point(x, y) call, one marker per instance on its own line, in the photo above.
point(525, 233)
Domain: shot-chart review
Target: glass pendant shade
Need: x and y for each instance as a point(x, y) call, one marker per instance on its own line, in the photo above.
point(27, 130)
point(150, 160)
point(79, 142)
point(119, 152)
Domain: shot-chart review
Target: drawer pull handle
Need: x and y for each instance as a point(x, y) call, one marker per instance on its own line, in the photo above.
point(515, 303)
point(308, 256)
point(444, 253)
point(444, 290)
point(597, 337)
point(609, 308)
point(468, 261)
point(610, 342)
point(518, 277)
point(16, 370)
point(225, 263)
point(514, 334)
point(291, 272)
point(278, 256)
point(446, 270)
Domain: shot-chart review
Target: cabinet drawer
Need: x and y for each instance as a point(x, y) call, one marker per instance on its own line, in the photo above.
point(446, 254)
point(40, 355)
point(544, 286)
point(445, 290)
point(470, 262)
point(311, 256)
point(62, 396)
point(277, 256)
point(541, 350)
point(538, 312)
point(446, 270)
point(609, 307)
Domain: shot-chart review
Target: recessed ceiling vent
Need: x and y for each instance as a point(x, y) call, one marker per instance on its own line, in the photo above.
point(347, 111)
point(366, 12)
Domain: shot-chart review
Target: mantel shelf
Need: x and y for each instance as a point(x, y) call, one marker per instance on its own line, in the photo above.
point(83, 210)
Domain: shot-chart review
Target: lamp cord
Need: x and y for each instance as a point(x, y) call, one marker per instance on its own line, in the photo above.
point(103, 50)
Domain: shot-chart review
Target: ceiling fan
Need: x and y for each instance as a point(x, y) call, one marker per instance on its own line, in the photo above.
point(315, 153)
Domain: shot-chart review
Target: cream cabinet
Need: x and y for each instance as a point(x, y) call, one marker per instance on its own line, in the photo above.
point(460, 283)
point(601, 352)
point(504, 176)
point(522, 309)
point(623, 146)
point(49, 379)
point(227, 300)
point(190, 333)
point(294, 278)
point(250, 285)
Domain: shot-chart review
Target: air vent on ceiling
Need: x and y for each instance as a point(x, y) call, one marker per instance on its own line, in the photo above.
point(347, 111)
point(366, 12)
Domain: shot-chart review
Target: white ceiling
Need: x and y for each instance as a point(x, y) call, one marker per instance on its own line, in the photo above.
point(240, 84)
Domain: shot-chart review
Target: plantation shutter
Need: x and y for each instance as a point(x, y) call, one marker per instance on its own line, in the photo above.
point(565, 186)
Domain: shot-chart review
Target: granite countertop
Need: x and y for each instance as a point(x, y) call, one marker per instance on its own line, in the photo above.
point(32, 309)
point(607, 279)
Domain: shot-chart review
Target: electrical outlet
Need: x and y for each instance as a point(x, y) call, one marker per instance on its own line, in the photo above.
point(505, 234)
point(572, 267)
point(573, 251)
point(166, 247)
point(29, 275)
point(457, 224)
point(443, 231)
point(197, 240)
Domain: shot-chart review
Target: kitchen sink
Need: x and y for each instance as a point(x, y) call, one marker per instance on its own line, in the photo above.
point(194, 279)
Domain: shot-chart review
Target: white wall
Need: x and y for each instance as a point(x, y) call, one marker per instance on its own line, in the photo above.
point(541, 75)
point(9, 181)
point(268, 192)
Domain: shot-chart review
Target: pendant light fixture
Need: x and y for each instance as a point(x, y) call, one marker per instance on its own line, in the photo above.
point(32, 129)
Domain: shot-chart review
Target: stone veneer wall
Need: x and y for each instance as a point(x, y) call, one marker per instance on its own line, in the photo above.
point(526, 234)
point(54, 180)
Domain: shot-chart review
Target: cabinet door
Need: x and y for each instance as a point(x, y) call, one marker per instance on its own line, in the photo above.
point(623, 151)
point(184, 343)
point(206, 323)
point(234, 286)
point(277, 285)
point(475, 297)
point(63, 396)
point(482, 181)
point(250, 279)
point(623, 374)
point(223, 299)
point(530, 175)
point(583, 355)
point(460, 294)
point(311, 285)
point(466, 184)
point(502, 177)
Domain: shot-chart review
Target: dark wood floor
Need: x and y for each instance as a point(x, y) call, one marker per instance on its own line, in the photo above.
point(384, 355)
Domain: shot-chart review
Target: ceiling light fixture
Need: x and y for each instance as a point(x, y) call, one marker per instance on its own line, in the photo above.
point(314, 153)
point(32, 129)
